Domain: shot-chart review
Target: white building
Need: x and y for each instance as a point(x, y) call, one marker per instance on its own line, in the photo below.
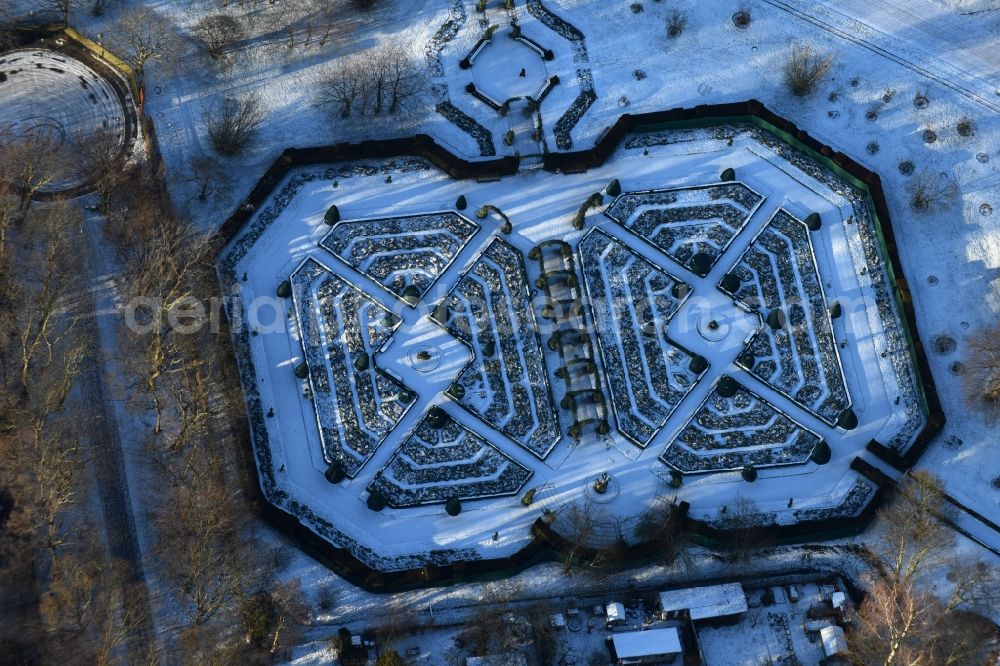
point(705, 603)
point(654, 646)
point(834, 641)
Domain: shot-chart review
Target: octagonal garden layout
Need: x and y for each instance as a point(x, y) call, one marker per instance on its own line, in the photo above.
point(431, 365)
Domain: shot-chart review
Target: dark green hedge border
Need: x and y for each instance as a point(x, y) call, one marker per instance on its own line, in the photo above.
point(546, 544)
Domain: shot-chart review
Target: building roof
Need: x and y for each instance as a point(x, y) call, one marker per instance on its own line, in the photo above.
point(647, 643)
point(833, 639)
point(706, 602)
point(615, 612)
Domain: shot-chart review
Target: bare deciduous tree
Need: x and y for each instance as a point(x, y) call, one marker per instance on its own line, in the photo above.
point(982, 371)
point(383, 80)
point(31, 163)
point(235, 124)
point(913, 537)
point(930, 190)
point(99, 157)
point(805, 68)
point(142, 36)
point(206, 176)
point(219, 32)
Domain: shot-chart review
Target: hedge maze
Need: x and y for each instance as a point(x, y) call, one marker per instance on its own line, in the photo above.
point(441, 461)
point(795, 351)
point(632, 302)
point(506, 383)
point(356, 403)
point(692, 225)
point(406, 255)
point(734, 429)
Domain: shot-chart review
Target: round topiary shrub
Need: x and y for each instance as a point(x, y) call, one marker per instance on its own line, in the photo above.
point(470, 88)
point(332, 215)
point(437, 417)
point(335, 473)
point(698, 364)
point(848, 420)
point(836, 310)
point(730, 282)
point(701, 264)
point(749, 473)
point(813, 222)
point(376, 501)
point(302, 370)
point(727, 386)
point(728, 175)
point(284, 289)
point(405, 397)
point(776, 319)
point(362, 362)
point(614, 188)
point(453, 506)
point(821, 453)
point(549, 55)
point(461, 203)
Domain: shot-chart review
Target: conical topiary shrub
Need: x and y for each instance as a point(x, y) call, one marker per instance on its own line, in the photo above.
point(727, 386)
point(728, 175)
point(776, 319)
point(335, 472)
point(302, 370)
point(461, 203)
point(848, 419)
point(680, 290)
point(453, 506)
point(362, 362)
point(836, 310)
point(375, 501)
point(821, 453)
point(730, 283)
point(749, 473)
point(437, 417)
point(405, 397)
point(332, 215)
point(457, 391)
point(698, 364)
point(411, 294)
point(284, 289)
point(614, 188)
point(813, 222)
point(440, 313)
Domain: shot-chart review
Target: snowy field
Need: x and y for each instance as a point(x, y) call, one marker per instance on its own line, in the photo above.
point(709, 304)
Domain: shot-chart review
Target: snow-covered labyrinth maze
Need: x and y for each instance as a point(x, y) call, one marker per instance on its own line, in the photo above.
point(721, 325)
point(60, 99)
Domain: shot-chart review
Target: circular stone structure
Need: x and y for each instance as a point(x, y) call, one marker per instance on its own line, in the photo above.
point(712, 329)
point(497, 69)
point(54, 96)
point(424, 358)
